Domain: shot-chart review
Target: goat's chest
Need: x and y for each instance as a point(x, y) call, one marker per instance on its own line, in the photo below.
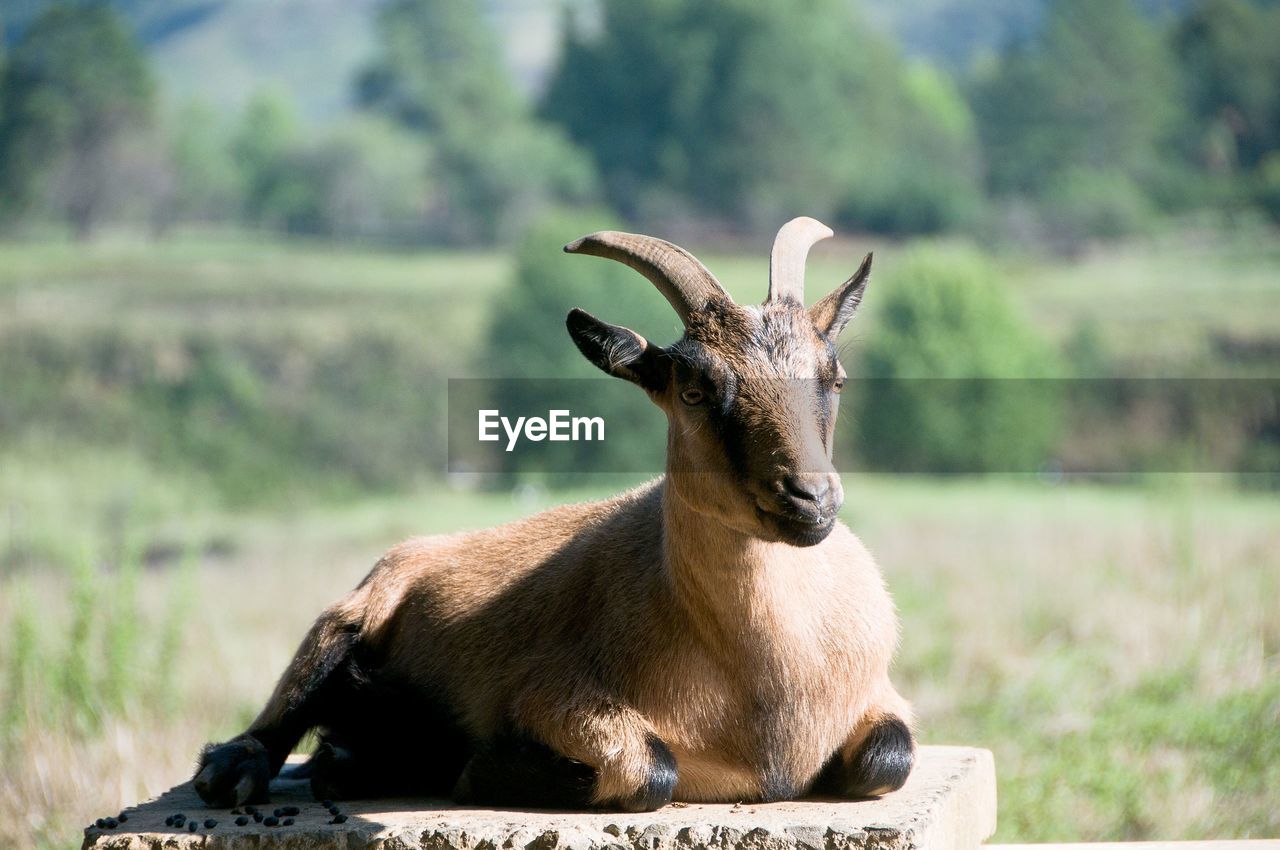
point(756, 710)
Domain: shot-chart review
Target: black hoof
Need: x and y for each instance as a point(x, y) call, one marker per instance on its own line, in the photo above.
point(332, 773)
point(880, 766)
point(233, 773)
point(661, 783)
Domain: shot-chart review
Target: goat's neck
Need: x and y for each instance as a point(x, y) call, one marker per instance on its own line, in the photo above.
point(731, 583)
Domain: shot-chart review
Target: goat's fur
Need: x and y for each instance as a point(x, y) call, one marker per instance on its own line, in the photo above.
point(714, 635)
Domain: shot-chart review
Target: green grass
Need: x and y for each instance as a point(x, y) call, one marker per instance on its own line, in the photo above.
point(203, 441)
point(1117, 647)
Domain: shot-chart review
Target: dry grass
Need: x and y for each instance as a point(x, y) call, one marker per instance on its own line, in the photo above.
point(1118, 647)
point(1085, 634)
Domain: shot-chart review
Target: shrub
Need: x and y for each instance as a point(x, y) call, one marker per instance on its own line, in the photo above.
point(1085, 204)
point(954, 376)
point(1268, 185)
point(527, 342)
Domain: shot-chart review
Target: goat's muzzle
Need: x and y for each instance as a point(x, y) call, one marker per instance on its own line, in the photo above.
point(801, 508)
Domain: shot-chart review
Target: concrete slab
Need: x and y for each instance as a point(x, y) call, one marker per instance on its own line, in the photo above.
point(1227, 844)
point(949, 803)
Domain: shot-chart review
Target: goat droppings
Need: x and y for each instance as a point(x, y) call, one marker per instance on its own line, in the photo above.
point(210, 823)
point(287, 822)
point(122, 817)
point(339, 819)
point(271, 820)
point(242, 820)
point(191, 827)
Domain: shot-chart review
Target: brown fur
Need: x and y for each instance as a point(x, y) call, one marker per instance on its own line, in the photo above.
point(679, 611)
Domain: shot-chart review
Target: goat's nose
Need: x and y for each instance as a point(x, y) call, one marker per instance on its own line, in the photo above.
point(807, 487)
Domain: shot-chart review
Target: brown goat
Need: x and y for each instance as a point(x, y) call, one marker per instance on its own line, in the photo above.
point(714, 635)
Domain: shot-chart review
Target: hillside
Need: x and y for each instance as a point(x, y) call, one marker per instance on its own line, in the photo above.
point(222, 51)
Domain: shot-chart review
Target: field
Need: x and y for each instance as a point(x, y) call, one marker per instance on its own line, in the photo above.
point(1117, 646)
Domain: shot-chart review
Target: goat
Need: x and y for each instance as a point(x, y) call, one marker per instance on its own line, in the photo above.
point(714, 635)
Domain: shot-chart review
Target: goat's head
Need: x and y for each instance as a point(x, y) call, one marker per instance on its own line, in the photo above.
point(751, 393)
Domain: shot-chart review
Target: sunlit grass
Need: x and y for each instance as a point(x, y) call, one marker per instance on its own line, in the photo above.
point(1118, 647)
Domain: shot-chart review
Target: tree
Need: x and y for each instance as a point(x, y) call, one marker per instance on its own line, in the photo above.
point(1229, 55)
point(207, 181)
point(549, 369)
point(1095, 90)
point(748, 111)
point(76, 90)
point(278, 193)
point(954, 379)
point(440, 74)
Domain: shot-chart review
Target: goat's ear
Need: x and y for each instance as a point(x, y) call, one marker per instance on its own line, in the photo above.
point(832, 313)
point(619, 351)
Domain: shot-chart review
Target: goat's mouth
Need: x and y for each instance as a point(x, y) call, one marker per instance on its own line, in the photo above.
point(796, 527)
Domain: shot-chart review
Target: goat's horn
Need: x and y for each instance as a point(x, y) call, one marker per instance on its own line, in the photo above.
point(786, 260)
point(681, 279)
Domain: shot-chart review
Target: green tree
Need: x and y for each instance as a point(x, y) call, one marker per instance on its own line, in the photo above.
point(527, 330)
point(953, 378)
point(1229, 54)
point(374, 179)
point(277, 190)
point(930, 181)
point(1095, 91)
point(75, 90)
point(365, 178)
point(749, 111)
point(207, 182)
point(439, 72)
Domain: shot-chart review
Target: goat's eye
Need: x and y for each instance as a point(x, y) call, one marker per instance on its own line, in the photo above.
point(838, 385)
point(692, 396)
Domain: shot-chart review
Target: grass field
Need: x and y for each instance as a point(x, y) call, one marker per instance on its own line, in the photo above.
point(1118, 647)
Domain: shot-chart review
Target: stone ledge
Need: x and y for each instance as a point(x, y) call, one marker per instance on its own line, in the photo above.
point(949, 803)
point(1225, 844)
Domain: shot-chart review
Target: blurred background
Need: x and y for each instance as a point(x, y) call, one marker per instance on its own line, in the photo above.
point(245, 243)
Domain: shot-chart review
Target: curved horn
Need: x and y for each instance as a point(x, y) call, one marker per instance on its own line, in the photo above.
point(790, 249)
point(683, 280)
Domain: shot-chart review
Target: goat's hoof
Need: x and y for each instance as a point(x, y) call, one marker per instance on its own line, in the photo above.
point(331, 772)
point(659, 785)
point(233, 773)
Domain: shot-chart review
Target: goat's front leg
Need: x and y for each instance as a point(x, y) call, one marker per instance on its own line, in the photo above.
point(583, 750)
point(875, 759)
point(238, 771)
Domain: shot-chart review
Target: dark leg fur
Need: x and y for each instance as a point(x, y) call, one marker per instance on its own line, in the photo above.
point(516, 771)
point(880, 765)
point(239, 770)
point(661, 783)
point(383, 738)
point(340, 774)
point(519, 772)
point(420, 758)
